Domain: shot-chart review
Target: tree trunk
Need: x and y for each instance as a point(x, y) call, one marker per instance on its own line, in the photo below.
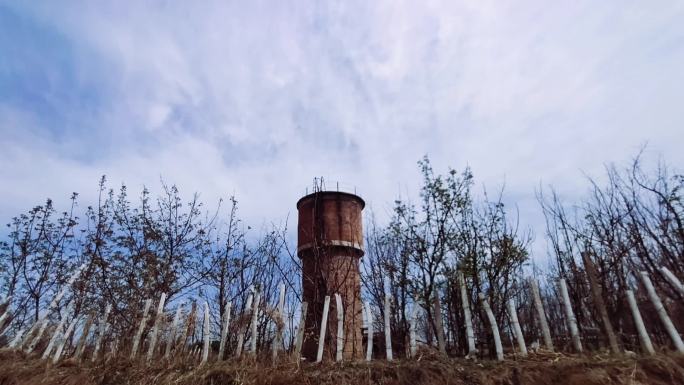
point(596, 292)
point(141, 328)
point(102, 329)
point(439, 326)
point(324, 325)
point(157, 324)
point(470, 335)
point(172, 333)
point(494, 326)
point(516, 328)
point(412, 333)
point(644, 339)
point(205, 347)
point(570, 317)
point(224, 330)
point(662, 313)
point(339, 345)
point(388, 331)
point(546, 333)
point(674, 281)
point(80, 347)
point(300, 332)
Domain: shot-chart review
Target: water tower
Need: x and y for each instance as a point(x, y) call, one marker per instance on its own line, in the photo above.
point(330, 246)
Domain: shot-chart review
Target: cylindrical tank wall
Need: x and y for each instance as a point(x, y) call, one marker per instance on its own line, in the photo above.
point(330, 218)
point(330, 244)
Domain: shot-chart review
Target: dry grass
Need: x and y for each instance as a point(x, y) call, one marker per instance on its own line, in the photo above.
point(553, 369)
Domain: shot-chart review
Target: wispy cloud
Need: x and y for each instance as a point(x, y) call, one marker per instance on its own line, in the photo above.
point(256, 99)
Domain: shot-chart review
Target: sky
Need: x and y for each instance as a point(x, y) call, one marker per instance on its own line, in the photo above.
point(255, 99)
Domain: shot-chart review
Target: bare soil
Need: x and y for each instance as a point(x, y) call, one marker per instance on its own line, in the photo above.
point(552, 369)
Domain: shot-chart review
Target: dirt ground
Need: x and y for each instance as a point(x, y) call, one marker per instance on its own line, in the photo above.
point(548, 368)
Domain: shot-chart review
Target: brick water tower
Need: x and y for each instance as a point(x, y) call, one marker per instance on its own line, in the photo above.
point(330, 246)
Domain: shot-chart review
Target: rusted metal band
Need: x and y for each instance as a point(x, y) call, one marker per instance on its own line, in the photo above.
point(334, 242)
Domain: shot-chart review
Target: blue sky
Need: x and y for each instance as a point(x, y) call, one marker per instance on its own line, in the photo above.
point(257, 98)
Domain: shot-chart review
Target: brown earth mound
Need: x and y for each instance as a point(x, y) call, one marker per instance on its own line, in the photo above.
point(551, 369)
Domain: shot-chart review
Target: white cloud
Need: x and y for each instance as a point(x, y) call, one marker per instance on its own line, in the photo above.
point(259, 98)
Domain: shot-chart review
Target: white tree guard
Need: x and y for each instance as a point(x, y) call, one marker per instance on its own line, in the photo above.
point(470, 334)
point(5, 314)
point(224, 330)
point(516, 327)
point(300, 331)
point(64, 340)
point(644, 338)
point(662, 313)
point(413, 327)
point(570, 317)
point(541, 314)
point(113, 347)
point(58, 332)
point(103, 327)
point(157, 324)
point(255, 318)
point(41, 323)
point(3, 322)
point(369, 329)
point(388, 331)
point(242, 332)
point(141, 328)
point(30, 333)
point(17, 338)
point(324, 325)
point(5, 301)
point(439, 324)
point(279, 321)
point(186, 329)
point(80, 347)
point(339, 343)
point(673, 280)
point(207, 331)
point(171, 341)
point(53, 340)
point(74, 276)
point(495, 328)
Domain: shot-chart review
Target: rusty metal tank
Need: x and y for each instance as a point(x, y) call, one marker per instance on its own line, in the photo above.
point(330, 246)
